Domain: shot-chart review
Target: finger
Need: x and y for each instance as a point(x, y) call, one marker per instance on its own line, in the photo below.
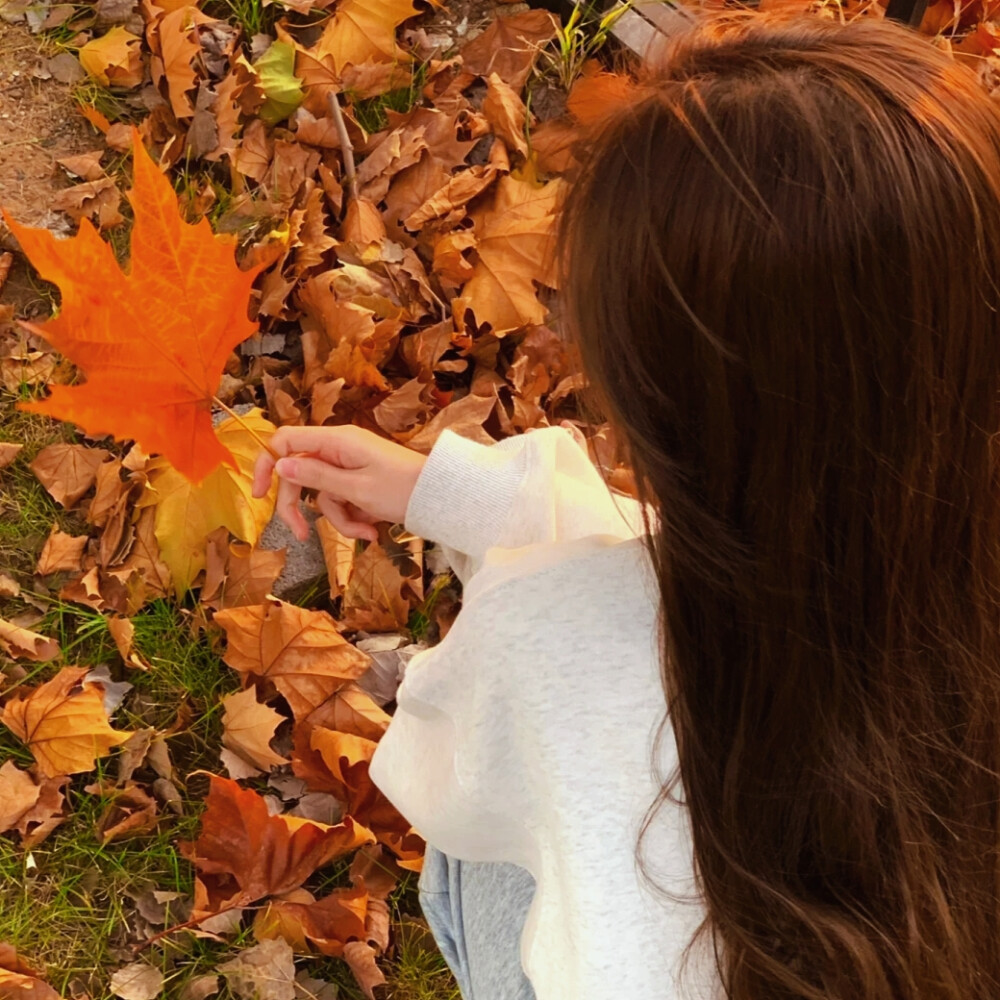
point(355, 513)
point(262, 470)
point(287, 508)
point(316, 474)
point(335, 444)
point(335, 513)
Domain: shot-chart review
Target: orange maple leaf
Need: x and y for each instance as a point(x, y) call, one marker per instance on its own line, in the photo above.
point(151, 341)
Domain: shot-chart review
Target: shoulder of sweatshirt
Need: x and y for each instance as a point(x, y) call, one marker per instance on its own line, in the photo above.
point(585, 559)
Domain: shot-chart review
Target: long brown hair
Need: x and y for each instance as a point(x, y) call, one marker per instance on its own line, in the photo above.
point(781, 272)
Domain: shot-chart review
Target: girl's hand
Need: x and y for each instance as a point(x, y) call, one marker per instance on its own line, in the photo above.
point(361, 478)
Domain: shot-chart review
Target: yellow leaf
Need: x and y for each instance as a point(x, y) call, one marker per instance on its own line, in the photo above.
point(187, 514)
point(363, 30)
point(114, 59)
point(64, 725)
point(248, 727)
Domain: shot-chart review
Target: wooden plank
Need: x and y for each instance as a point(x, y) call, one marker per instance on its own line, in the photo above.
point(634, 31)
point(644, 22)
point(666, 16)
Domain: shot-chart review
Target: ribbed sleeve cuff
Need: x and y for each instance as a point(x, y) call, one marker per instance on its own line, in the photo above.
point(464, 493)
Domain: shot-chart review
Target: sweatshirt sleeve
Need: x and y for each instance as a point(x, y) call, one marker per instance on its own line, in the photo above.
point(523, 490)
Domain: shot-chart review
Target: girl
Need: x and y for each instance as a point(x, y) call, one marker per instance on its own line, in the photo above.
point(781, 271)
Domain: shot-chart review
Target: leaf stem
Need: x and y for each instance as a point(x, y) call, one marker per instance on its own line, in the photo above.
point(346, 149)
point(232, 413)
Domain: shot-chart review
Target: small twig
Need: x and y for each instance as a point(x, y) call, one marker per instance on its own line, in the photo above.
point(247, 428)
point(346, 149)
point(186, 925)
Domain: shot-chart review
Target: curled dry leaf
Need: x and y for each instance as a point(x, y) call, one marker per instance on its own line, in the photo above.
point(61, 552)
point(8, 452)
point(129, 811)
point(19, 980)
point(236, 574)
point(31, 806)
point(123, 633)
point(67, 471)
point(63, 722)
point(300, 652)
point(244, 854)
point(327, 924)
point(248, 727)
point(360, 956)
point(114, 59)
point(506, 113)
point(18, 794)
point(23, 644)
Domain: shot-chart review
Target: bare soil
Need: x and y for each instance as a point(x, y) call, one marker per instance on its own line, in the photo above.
point(38, 125)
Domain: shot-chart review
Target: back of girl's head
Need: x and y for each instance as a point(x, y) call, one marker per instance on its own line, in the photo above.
point(782, 269)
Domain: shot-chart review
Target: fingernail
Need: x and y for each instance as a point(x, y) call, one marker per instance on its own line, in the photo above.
point(286, 468)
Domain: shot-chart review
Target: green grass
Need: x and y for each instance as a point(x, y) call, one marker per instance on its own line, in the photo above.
point(370, 113)
point(251, 15)
point(68, 904)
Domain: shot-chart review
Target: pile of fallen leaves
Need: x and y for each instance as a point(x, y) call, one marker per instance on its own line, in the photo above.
point(400, 279)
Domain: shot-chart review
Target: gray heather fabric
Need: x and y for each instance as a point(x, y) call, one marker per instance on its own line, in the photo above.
point(476, 911)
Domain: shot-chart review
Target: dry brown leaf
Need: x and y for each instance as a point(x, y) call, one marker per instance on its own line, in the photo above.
point(300, 652)
point(465, 417)
point(264, 972)
point(18, 794)
point(23, 644)
point(510, 46)
point(19, 981)
point(377, 597)
point(86, 166)
point(248, 728)
point(8, 452)
point(123, 633)
point(404, 407)
point(360, 956)
point(363, 31)
point(63, 722)
point(506, 112)
point(67, 471)
point(178, 47)
point(114, 59)
point(138, 981)
point(514, 250)
point(9, 587)
point(61, 552)
point(237, 574)
point(130, 811)
point(338, 554)
point(244, 854)
point(327, 924)
point(351, 710)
